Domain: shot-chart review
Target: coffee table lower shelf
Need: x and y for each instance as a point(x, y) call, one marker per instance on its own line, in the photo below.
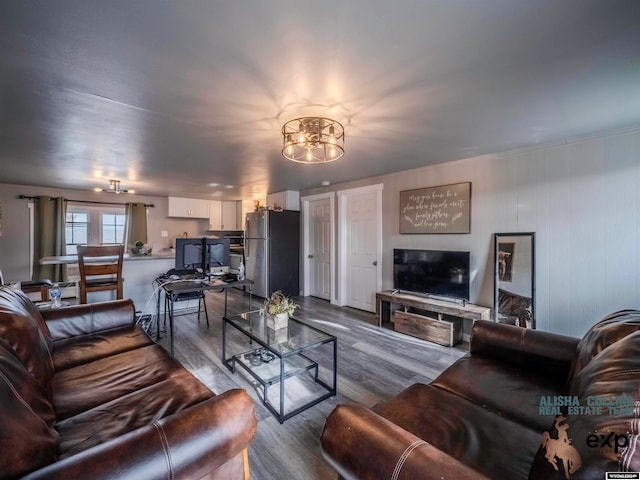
point(269, 374)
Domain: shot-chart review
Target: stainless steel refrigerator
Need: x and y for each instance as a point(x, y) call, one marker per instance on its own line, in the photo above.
point(272, 251)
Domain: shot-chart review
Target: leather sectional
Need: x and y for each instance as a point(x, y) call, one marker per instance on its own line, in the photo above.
point(522, 404)
point(84, 393)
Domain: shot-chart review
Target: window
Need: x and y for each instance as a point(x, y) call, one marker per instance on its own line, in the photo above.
point(76, 230)
point(89, 225)
point(112, 228)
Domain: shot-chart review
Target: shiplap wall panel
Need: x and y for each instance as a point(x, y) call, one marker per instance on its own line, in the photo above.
point(558, 242)
point(486, 197)
point(513, 185)
point(540, 158)
point(636, 154)
point(587, 216)
point(621, 221)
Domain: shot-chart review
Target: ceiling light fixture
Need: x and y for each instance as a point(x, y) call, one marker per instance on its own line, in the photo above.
point(114, 187)
point(313, 140)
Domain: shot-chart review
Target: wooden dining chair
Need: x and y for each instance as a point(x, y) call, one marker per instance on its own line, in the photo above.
point(100, 269)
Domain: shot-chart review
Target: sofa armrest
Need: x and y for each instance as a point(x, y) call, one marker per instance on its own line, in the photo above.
point(189, 444)
point(88, 318)
point(543, 352)
point(362, 445)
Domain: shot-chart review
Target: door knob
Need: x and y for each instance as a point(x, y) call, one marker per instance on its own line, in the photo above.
point(375, 263)
point(309, 256)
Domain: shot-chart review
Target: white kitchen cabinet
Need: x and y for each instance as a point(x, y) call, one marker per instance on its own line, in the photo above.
point(199, 208)
point(224, 215)
point(288, 200)
point(215, 215)
point(188, 207)
point(230, 216)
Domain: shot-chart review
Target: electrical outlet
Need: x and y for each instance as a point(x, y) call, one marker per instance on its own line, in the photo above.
point(164, 233)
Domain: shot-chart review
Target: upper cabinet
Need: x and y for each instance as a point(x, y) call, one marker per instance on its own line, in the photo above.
point(230, 216)
point(224, 215)
point(288, 200)
point(215, 215)
point(188, 207)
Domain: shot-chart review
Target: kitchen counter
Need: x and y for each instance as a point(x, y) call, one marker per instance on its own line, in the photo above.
point(154, 256)
point(69, 259)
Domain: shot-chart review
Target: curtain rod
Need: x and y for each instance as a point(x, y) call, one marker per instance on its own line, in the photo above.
point(26, 197)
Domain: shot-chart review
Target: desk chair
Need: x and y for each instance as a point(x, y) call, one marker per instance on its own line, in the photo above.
point(183, 297)
point(100, 269)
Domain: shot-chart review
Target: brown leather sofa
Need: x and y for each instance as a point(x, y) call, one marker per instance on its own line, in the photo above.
point(522, 404)
point(84, 393)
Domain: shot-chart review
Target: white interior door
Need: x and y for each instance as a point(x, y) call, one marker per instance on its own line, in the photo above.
point(360, 241)
point(319, 255)
point(319, 246)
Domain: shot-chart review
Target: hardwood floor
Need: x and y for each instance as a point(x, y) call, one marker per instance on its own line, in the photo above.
point(373, 365)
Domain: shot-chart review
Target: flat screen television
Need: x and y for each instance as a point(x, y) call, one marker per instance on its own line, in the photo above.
point(432, 272)
point(204, 253)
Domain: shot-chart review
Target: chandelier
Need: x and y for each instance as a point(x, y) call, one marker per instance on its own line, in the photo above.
point(313, 140)
point(114, 187)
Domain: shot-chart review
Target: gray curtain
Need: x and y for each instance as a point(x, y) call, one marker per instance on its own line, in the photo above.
point(136, 227)
point(49, 236)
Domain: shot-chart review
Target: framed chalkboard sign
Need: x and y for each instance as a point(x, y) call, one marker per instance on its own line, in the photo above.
point(441, 209)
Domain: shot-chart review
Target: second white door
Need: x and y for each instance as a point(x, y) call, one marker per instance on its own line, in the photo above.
point(361, 243)
point(320, 248)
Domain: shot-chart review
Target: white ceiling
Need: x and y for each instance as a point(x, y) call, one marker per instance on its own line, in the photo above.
point(172, 96)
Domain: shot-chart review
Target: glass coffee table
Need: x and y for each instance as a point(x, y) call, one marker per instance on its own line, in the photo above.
point(301, 360)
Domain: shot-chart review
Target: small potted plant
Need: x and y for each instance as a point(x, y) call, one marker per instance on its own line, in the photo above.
point(277, 309)
point(135, 249)
point(140, 248)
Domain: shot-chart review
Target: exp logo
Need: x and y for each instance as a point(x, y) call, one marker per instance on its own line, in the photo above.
point(616, 441)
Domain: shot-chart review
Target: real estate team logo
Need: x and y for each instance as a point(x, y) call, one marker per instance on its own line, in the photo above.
point(560, 451)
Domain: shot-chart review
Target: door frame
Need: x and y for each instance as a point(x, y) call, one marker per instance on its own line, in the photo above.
point(343, 201)
point(306, 271)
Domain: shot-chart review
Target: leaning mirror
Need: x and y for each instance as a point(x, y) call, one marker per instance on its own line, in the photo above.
point(514, 279)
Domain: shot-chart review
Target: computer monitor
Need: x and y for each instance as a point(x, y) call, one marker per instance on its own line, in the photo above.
point(208, 254)
point(219, 257)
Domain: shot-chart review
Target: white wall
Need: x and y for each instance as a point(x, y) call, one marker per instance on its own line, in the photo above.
point(582, 199)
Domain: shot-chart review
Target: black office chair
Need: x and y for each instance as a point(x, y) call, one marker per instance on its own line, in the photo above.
point(183, 297)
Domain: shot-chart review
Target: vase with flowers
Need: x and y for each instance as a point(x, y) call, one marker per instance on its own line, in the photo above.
point(277, 309)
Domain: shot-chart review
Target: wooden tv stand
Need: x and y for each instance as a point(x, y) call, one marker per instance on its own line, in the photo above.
point(433, 319)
